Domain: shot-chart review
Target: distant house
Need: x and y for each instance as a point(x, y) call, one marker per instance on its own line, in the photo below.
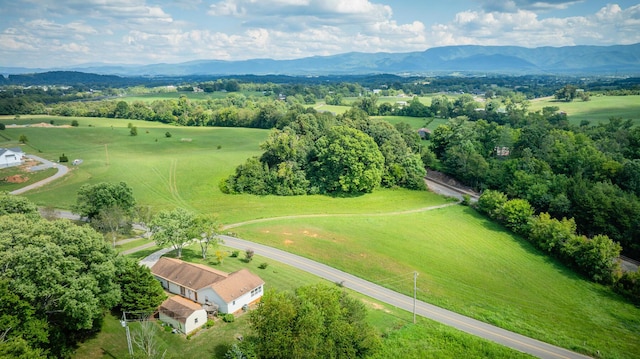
point(214, 289)
point(10, 157)
point(424, 133)
point(183, 314)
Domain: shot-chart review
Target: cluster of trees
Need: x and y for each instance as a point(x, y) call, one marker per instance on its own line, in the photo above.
point(596, 257)
point(588, 173)
point(313, 322)
point(57, 280)
point(349, 154)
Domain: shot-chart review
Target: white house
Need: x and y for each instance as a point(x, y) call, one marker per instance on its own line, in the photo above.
point(11, 157)
point(183, 314)
point(229, 292)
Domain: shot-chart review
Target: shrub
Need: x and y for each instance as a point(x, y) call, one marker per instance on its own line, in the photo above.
point(210, 323)
point(167, 134)
point(466, 200)
point(2, 126)
point(235, 254)
point(133, 131)
point(248, 255)
point(263, 265)
point(219, 146)
point(228, 318)
point(75, 123)
point(64, 158)
point(629, 286)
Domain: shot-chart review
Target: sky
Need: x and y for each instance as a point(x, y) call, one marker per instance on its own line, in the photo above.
point(58, 33)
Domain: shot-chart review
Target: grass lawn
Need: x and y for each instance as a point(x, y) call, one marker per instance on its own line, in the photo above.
point(470, 265)
point(31, 177)
point(598, 110)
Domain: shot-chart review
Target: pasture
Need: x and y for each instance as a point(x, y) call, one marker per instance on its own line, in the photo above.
point(598, 110)
point(192, 96)
point(466, 263)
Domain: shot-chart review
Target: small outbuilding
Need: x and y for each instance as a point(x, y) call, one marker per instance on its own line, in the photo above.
point(182, 314)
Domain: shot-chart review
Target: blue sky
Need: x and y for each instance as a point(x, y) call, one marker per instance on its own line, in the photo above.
point(50, 33)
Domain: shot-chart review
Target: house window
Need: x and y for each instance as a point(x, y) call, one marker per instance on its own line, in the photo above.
point(182, 291)
point(256, 291)
point(234, 302)
point(195, 321)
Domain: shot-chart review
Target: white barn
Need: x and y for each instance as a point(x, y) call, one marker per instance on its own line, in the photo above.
point(10, 157)
point(229, 292)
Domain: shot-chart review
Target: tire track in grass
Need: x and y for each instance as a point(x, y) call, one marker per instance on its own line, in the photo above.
point(173, 184)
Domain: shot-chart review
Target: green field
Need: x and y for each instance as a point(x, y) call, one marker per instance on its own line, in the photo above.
point(193, 96)
point(465, 262)
point(599, 109)
point(470, 265)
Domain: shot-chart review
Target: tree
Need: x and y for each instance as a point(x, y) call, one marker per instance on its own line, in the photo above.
point(16, 204)
point(75, 123)
point(516, 214)
point(64, 271)
point(141, 291)
point(347, 161)
point(314, 322)
point(145, 339)
point(133, 131)
point(205, 231)
point(94, 198)
point(23, 139)
point(173, 228)
point(110, 220)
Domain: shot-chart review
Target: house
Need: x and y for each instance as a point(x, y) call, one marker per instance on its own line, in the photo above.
point(424, 133)
point(214, 289)
point(10, 157)
point(183, 314)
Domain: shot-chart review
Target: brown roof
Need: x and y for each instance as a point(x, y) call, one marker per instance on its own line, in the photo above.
point(189, 275)
point(179, 308)
point(237, 284)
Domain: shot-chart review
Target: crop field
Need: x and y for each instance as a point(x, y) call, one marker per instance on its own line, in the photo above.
point(465, 262)
point(599, 109)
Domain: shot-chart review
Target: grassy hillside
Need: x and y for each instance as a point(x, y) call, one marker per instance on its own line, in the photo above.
point(470, 265)
point(599, 109)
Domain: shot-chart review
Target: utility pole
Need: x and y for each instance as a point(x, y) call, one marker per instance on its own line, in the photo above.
point(123, 322)
point(415, 292)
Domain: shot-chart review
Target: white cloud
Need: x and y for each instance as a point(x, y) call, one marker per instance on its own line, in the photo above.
point(610, 25)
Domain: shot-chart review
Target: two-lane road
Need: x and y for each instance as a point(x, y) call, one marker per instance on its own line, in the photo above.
point(466, 324)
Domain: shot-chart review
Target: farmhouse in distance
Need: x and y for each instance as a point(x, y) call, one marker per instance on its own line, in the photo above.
point(10, 157)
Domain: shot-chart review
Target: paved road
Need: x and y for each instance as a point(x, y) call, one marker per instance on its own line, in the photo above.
point(62, 170)
point(466, 324)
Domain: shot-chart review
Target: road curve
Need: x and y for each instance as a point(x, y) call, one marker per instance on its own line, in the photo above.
point(466, 324)
point(62, 170)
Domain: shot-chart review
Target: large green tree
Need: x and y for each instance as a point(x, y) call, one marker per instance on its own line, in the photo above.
point(347, 161)
point(93, 198)
point(65, 272)
point(173, 228)
point(314, 322)
point(141, 291)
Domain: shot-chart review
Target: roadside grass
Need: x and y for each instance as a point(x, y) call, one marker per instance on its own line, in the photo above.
point(598, 110)
point(470, 265)
point(393, 324)
point(133, 244)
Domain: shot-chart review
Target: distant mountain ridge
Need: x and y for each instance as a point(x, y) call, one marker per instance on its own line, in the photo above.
point(514, 60)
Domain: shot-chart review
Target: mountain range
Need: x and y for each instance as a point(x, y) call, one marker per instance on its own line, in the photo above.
point(468, 59)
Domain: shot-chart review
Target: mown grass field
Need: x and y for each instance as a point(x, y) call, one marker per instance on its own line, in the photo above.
point(465, 262)
point(470, 265)
point(599, 109)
